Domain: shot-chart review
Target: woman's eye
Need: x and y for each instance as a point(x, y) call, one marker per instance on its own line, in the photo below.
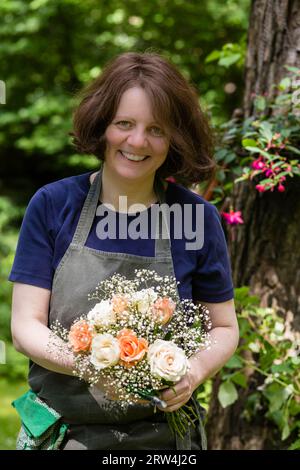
point(158, 131)
point(124, 123)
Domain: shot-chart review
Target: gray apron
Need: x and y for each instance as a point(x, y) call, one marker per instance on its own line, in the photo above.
point(96, 422)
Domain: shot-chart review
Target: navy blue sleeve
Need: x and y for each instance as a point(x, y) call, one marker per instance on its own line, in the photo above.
point(212, 281)
point(33, 262)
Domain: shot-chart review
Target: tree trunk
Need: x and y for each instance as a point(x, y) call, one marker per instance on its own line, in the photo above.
point(266, 251)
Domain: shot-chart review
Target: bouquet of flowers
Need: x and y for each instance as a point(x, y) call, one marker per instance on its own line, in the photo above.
point(138, 338)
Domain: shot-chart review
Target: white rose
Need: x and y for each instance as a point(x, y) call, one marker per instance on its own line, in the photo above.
point(144, 299)
point(105, 351)
point(102, 315)
point(167, 361)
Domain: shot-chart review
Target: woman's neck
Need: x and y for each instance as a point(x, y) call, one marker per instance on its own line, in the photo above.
point(133, 192)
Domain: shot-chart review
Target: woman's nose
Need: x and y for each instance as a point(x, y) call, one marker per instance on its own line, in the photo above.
point(137, 138)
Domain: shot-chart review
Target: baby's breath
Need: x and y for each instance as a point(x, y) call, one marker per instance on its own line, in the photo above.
point(188, 328)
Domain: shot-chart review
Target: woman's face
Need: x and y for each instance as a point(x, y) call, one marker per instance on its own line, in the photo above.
point(136, 145)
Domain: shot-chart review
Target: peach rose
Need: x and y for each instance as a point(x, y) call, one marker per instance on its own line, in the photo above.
point(80, 336)
point(132, 348)
point(119, 304)
point(163, 309)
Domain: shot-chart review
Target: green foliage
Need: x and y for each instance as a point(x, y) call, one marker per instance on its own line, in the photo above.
point(229, 54)
point(50, 48)
point(271, 138)
point(227, 393)
point(9, 419)
point(16, 367)
point(9, 215)
point(266, 366)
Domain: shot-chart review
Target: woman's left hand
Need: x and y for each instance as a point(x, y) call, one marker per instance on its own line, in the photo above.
point(180, 393)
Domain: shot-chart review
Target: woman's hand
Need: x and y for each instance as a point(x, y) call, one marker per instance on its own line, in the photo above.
point(206, 363)
point(180, 393)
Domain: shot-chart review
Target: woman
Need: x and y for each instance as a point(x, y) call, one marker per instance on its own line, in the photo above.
point(142, 120)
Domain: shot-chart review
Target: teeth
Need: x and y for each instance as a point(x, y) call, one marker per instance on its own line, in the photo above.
point(134, 158)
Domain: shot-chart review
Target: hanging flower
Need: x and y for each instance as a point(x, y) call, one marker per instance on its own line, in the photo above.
point(259, 164)
point(232, 217)
point(171, 179)
point(260, 188)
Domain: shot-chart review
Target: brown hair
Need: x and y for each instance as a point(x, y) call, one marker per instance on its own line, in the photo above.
point(174, 102)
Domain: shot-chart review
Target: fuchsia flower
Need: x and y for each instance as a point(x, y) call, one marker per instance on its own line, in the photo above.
point(258, 164)
point(260, 187)
point(269, 172)
point(232, 217)
point(171, 179)
point(281, 188)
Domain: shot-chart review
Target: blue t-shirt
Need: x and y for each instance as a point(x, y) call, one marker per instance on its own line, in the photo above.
point(51, 218)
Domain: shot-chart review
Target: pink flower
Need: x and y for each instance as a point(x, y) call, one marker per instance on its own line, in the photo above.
point(171, 179)
point(282, 178)
point(269, 172)
point(232, 217)
point(258, 164)
point(260, 187)
point(281, 188)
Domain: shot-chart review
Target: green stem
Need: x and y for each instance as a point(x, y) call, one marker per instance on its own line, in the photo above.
point(280, 382)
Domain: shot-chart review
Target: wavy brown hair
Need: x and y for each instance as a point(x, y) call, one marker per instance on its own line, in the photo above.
point(174, 104)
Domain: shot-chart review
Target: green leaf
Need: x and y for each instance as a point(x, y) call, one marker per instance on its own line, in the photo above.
point(277, 396)
point(230, 157)
point(260, 103)
point(291, 69)
point(249, 143)
point(214, 55)
point(221, 154)
point(293, 149)
point(229, 60)
point(221, 176)
point(227, 394)
point(240, 379)
point(295, 361)
point(266, 180)
point(257, 150)
point(265, 130)
point(234, 362)
point(286, 431)
point(280, 368)
point(295, 445)
point(285, 83)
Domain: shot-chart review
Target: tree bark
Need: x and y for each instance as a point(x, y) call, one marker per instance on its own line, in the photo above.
point(265, 253)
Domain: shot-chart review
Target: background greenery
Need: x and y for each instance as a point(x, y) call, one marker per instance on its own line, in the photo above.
point(48, 50)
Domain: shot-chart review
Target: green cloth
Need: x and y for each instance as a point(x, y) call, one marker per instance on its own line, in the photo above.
point(42, 426)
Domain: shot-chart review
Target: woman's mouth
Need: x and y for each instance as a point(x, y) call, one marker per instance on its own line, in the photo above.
point(132, 157)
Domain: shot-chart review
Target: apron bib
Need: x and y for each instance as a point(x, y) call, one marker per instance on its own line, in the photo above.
point(95, 421)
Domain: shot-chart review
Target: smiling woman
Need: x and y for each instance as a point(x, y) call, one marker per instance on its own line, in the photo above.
point(142, 119)
point(133, 151)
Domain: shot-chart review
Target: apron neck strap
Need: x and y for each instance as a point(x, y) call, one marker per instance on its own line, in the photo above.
point(162, 234)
